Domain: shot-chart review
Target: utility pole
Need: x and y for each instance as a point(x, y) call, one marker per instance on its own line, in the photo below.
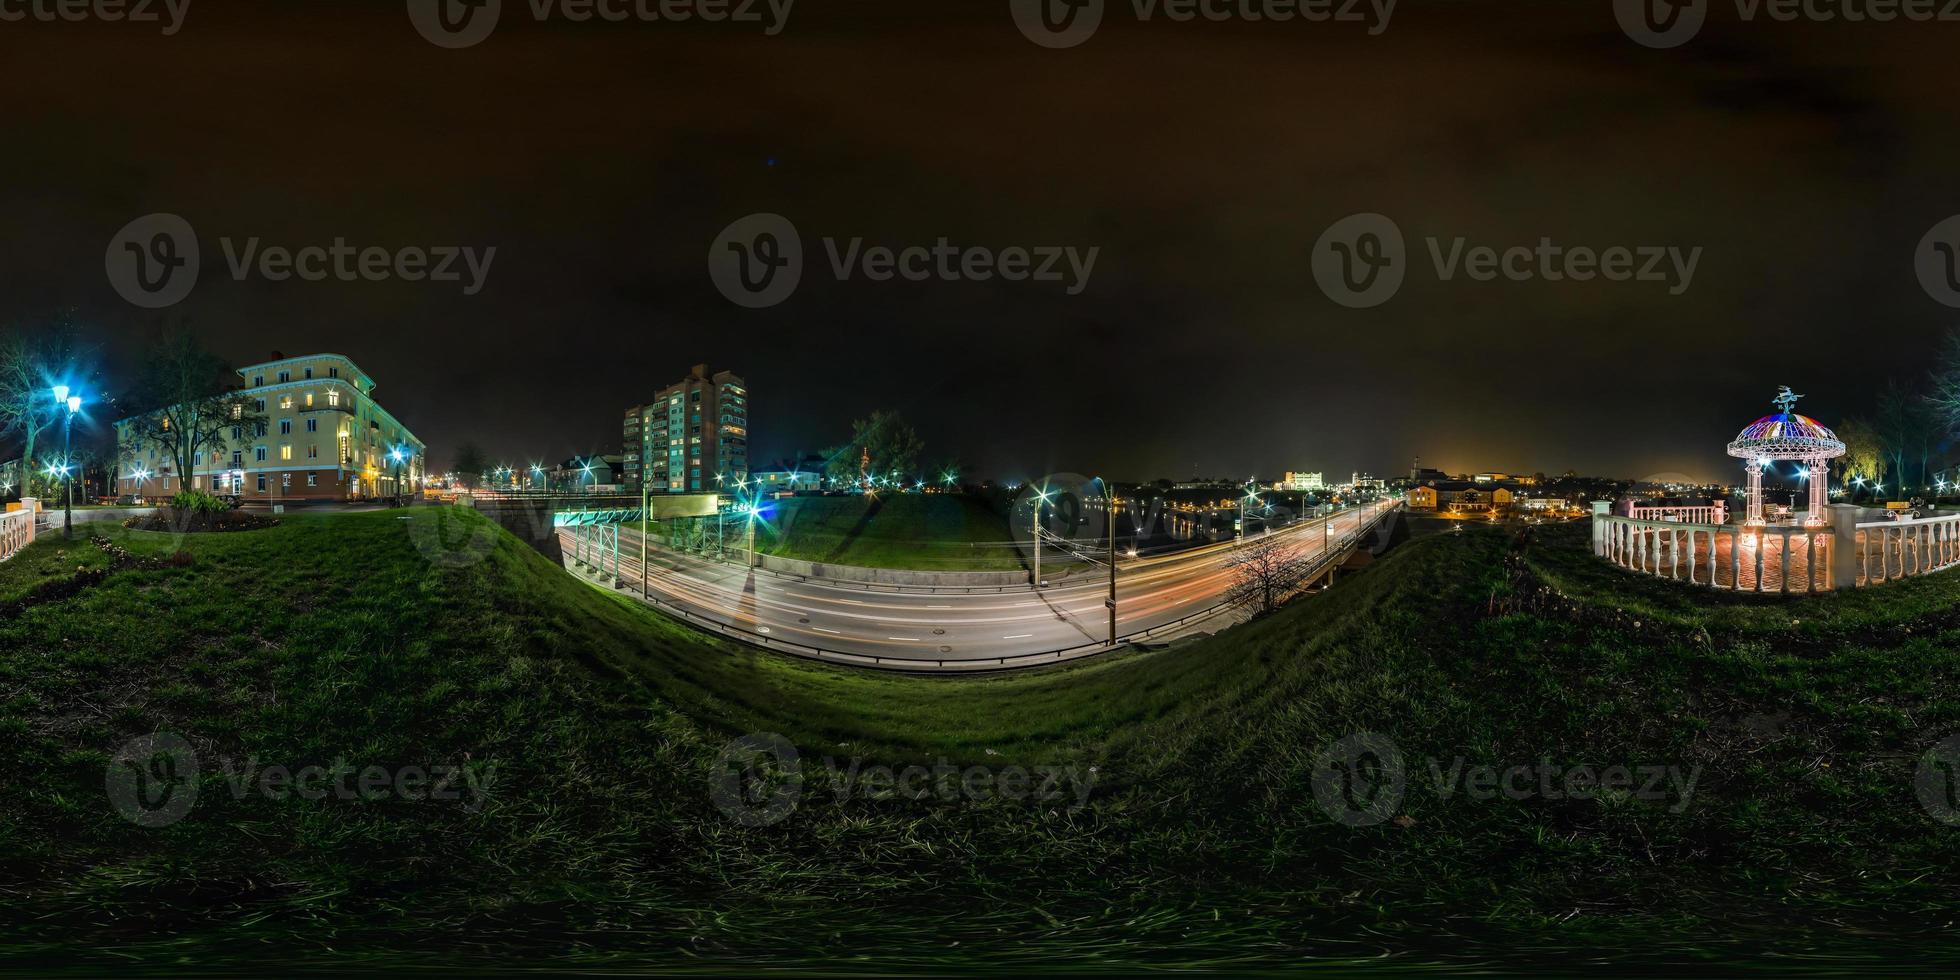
point(1037, 542)
point(646, 589)
point(1109, 500)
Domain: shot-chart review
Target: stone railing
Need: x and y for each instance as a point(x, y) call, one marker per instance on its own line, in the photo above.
point(1856, 548)
point(1785, 559)
point(1887, 550)
point(1701, 514)
point(17, 529)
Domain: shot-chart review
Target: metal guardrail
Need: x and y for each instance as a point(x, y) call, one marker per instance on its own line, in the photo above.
point(975, 665)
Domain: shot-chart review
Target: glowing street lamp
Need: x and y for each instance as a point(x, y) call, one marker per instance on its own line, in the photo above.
point(1039, 499)
point(63, 398)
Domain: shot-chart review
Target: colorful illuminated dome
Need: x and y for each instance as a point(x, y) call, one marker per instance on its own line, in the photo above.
point(1786, 435)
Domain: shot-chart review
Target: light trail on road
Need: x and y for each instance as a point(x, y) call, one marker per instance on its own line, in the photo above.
point(849, 618)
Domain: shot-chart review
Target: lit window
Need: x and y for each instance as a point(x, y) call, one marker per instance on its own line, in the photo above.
point(286, 451)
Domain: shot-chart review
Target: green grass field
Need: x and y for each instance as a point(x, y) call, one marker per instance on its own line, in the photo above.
point(935, 532)
point(593, 725)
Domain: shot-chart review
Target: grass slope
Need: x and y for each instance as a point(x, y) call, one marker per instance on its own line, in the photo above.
point(595, 721)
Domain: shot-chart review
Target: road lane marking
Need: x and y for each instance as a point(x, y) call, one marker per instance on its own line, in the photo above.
point(1018, 636)
point(831, 632)
point(908, 639)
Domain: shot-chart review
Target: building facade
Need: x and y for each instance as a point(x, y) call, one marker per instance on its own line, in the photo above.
point(1297, 481)
point(693, 435)
point(323, 437)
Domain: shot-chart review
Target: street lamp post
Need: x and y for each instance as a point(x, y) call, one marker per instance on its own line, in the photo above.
point(1109, 514)
point(74, 404)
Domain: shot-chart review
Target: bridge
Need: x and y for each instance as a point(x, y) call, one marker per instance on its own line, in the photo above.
point(1156, 599)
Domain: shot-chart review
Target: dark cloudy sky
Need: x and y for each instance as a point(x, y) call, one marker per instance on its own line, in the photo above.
point(1203, 161)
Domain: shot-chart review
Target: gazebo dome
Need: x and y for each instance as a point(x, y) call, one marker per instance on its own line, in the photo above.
point(1786, 435)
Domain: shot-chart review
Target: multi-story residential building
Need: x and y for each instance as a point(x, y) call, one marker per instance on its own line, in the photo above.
point(323, 437)
point(694, 435)
point(633, 442)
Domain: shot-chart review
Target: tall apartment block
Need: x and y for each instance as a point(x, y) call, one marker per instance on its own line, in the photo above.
point(691, 437)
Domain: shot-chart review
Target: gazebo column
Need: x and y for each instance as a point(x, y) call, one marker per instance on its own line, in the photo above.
point(1755, 471)
point(1820, 479)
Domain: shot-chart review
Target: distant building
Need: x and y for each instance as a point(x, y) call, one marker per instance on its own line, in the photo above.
point(323, 437)
point(1301, 481)
point(1422, 498)
point(693, 435)
point(590, 474)
point(806, 472)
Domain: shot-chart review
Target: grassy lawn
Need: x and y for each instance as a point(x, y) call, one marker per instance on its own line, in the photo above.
point(593, 724)
point(947, 532)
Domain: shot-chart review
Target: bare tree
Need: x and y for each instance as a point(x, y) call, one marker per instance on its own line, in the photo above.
point(1265, 573)
point(193, 407)
point(32, 358)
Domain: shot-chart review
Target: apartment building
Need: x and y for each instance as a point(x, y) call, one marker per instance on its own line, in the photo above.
point(693, 435)
point(322, 437)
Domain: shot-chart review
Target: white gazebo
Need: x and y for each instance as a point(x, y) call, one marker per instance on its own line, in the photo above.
point(1787, 436)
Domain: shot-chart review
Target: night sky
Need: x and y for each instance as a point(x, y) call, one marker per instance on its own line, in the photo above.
point(1202, 161)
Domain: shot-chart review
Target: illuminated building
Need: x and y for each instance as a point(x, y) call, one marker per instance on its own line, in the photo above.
point(693, 435)
point(322, 437)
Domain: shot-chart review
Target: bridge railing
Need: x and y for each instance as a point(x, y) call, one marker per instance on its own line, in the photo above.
point(1337, 547)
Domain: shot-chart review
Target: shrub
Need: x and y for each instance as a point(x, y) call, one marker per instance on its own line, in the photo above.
point(198, 502)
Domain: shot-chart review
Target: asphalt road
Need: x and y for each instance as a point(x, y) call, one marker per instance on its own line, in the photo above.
point(1151, 593)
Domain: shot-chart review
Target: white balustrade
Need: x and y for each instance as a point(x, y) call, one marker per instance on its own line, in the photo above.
point(1889, 550)
point(16, 530)
point(1784, 559)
